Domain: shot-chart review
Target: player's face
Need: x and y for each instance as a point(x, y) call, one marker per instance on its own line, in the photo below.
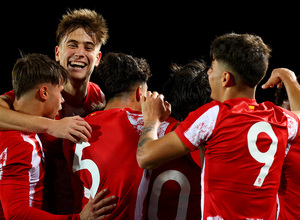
point(215, 79)
point(54, 100)
point(79, 54)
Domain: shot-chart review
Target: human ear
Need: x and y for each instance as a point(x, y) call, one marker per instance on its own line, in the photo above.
point(57, 52)
point(98, 58)
point(138, 93)
point(228, 79)
point(43, 93)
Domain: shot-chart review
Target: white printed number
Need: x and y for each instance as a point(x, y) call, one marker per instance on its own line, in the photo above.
point(79, 164)
point(183, 202)
point(267, 157)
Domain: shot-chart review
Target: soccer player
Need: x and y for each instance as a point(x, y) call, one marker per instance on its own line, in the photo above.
point(244, 141)
point(80, 35)
point(174, 188)
point(289, 190)
point(38, 82)
point(108, 158)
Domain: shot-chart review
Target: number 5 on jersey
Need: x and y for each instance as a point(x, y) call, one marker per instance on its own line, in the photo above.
point(79, 164)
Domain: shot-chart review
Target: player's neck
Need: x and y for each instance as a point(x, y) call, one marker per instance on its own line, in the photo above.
point(246, 92)
point(28, 106)
point(77, 89)
point(123, 102)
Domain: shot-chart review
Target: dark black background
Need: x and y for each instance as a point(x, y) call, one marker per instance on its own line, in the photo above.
point(161, 32)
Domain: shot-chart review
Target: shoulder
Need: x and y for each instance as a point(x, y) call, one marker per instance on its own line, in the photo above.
point(95, 93)
point(199, 125)
point(17, 143)
point(93, 86)
point(8, 99)
point(10, 94)
point(137, 121)
point(208, 111)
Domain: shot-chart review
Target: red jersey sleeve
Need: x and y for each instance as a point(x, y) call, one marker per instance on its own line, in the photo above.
point(16, 207)
point(196, 129)
point(293, 125)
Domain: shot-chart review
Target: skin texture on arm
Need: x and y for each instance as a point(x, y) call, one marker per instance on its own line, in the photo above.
point(71, 128)
point(153, 152)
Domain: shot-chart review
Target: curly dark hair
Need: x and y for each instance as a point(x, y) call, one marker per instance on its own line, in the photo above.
point(120, 72)
point(245, 54)
point(187, 89)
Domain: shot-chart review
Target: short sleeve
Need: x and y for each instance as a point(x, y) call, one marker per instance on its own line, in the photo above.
point(196, 129)
point(292, 125)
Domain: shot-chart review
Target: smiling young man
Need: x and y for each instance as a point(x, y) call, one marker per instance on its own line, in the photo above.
point(245, 142)
point(80, 35)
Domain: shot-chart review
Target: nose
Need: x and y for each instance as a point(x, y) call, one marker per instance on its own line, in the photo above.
point(79, 52)
point(62, 100)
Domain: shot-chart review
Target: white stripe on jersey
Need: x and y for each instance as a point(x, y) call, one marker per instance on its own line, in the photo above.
point(203, 127)
point(34, 172)
point(292, 127)
point(202, 188)
point(3, 159)
point(137, 121)
point(141, 195)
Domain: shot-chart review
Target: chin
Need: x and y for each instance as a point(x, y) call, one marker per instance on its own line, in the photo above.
point(79, 75)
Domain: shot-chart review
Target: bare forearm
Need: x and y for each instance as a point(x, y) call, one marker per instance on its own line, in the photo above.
point(148, 135)
point(153, 152)
point(12, 120)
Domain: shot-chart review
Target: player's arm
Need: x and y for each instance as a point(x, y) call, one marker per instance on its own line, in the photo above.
point(153, 152)
point(289, 79)
point(67, 128)
point(18, 208)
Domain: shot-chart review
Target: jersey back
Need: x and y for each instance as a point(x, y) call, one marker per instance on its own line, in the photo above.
point(108, 160)
point(245, 148)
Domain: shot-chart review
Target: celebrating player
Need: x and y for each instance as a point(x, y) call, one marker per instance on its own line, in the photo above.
point(38, 82)
point(174, 189)
point(108, 158)
point(289, 193)
point(80, 35)
point(245, 142)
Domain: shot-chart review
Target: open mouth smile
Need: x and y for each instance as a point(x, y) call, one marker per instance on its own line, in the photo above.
point(77, 64)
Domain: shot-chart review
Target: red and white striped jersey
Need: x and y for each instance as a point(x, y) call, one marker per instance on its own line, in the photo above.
point(21, 177)
point(245, 146)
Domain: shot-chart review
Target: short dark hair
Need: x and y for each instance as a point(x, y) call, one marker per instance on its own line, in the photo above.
point(119, 72)
point(245, 54)
point(187, 89)
point(34, 69)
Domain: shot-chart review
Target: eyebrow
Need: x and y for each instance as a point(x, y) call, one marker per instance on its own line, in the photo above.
point(77, 42)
